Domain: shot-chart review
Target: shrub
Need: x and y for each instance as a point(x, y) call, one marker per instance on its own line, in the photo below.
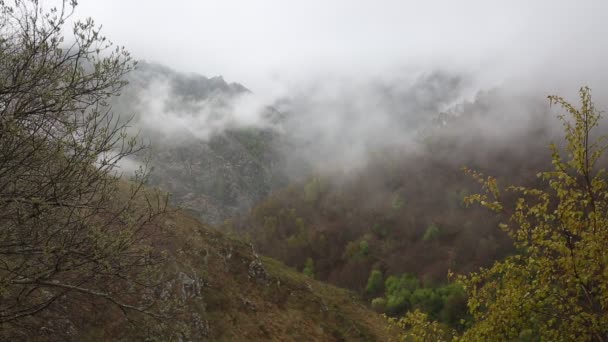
point(432, 233)
point(417, 327)
point(379, 304)
point(555, 288)
point(309, 268)
point(374, 282)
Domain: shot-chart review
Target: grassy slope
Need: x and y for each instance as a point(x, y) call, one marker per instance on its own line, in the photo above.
point(278, 304)
point(228, 297)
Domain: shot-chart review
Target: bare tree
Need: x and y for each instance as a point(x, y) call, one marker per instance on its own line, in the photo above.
point(69, 228)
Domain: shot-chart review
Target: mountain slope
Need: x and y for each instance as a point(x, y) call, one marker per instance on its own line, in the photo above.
point(250, 297)
point(212, 165)
point(230, 293)
point(403, 211)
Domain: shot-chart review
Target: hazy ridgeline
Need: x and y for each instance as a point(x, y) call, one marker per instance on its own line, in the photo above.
point(220, 148)
point(336, 161)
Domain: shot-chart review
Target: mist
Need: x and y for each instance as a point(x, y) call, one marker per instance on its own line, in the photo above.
point(333, 124)
point(175, 108)
point(266, 44)
point(342, 80)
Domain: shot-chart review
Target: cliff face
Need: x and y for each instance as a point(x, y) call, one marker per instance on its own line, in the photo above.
point(219, 178)
point(212, 166)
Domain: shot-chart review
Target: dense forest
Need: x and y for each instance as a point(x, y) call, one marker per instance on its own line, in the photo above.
point(476, 219)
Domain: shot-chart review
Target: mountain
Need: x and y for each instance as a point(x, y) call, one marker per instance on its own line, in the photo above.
point(377, 200)
point(215, 288)
point(234, 294)
point(402, 213)
point(212, 167)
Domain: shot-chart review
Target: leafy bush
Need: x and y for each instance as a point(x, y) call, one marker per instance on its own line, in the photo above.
point(380, 230)
point(417, 327)
point(364, 248)
point(445, 303)
point(309, 268)
point(555, 288)
point(432, 233)
point(356, 250)
point(374, 282)
point(428, 300)
point(379, 304)
point(399, 291)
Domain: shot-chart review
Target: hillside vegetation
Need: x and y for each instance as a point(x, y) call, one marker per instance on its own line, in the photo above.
point(86, 256)
point(403, 212)
point(209, 287)
point(220, 289)
point(554, 287)
point(420, 227)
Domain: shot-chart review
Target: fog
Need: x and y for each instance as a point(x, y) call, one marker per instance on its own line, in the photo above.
point(269, 43)
point(355, 76)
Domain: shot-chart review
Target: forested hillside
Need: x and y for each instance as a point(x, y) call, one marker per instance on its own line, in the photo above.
point(403, 213)
point(395, 229)
point(88, 256)
point(397, 214)
point(141, 203)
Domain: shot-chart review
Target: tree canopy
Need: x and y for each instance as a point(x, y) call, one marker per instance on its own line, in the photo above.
point(554, 289)
point(66, 231)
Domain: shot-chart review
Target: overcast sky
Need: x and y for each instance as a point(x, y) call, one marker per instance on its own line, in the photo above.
point(257, 42)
